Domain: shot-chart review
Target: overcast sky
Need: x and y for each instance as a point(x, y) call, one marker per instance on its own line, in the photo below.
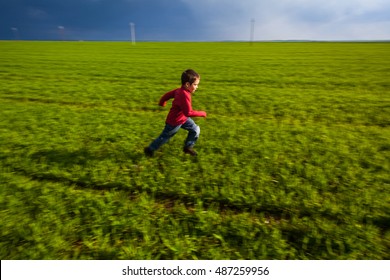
point(195, 20)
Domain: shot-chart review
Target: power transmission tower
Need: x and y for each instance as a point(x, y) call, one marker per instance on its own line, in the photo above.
point(132, 32)
point(252, 33)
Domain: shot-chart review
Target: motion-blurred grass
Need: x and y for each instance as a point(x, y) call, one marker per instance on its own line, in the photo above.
point(293, 157)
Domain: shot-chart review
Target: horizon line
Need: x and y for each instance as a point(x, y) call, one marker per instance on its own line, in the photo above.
point(205, 41)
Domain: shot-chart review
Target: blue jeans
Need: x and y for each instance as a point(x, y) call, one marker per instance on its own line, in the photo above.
point(169, 131)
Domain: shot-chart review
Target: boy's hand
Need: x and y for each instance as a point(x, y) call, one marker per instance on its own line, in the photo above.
point(163, 104)
point(204, 114)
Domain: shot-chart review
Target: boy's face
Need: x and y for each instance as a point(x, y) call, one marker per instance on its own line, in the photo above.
point(193, 87)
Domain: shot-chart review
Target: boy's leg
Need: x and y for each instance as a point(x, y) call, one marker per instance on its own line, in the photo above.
point(168, 132)
point(193, 135)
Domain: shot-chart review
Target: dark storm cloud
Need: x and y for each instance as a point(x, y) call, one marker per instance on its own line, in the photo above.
point(195, 20)
point(94, 19)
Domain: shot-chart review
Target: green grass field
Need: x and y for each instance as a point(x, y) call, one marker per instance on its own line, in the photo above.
point(293, 157)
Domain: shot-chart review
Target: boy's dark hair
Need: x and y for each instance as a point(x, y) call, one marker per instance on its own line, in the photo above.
point(189, 76)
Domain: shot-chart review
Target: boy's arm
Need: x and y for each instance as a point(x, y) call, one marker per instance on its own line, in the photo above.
point(166, 97)
point(186, 107)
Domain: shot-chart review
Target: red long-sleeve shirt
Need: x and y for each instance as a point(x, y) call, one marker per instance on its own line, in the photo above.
point(181, 107)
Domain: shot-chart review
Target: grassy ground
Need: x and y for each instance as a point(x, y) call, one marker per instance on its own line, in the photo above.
point(293, 157)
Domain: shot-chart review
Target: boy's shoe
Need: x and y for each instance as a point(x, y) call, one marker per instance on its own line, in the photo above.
point(148, 152)
point(190, 151)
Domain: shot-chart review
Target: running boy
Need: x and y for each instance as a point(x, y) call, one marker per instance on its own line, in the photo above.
point(180, 114)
